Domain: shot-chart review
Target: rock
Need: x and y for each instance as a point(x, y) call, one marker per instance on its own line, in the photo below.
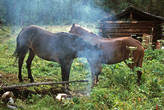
point(0, 76)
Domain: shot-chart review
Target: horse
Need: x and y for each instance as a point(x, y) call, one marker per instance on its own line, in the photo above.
point(59, 47)
point(114, 50)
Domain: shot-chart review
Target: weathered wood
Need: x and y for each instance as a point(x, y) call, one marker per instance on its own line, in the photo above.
point(127, 30)
point(130, 22)
point(132, 18)
point(40, 83)
point(116, 35)
point(124, 28)
point(127, 25)
point(121, 33)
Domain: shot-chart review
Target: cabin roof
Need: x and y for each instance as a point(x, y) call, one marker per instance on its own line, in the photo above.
point(137, 14)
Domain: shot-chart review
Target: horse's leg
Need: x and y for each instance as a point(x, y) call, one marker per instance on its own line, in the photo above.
point(95, 70)
point(28, 62)
point(65, 69)
point(130, 65)
point(137, 62)
point(139, 73)
point(20, 63)
point(97, 79)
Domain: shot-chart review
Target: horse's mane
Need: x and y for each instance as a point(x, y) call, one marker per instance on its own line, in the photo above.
point(85, 30)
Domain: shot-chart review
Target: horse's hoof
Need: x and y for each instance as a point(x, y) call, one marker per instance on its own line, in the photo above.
point(138, 83)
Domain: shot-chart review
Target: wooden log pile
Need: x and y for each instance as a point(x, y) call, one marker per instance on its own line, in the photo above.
point(125, 28)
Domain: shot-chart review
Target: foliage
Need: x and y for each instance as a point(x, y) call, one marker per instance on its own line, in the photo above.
point(18, 12)
point(50, 12)
point(152, 6)
point(3, 12)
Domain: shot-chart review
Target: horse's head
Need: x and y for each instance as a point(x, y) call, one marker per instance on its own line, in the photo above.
point(73, 29)
point(81, 31)
point(77, 29)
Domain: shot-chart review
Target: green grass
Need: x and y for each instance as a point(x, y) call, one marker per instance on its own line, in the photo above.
point(117, 88)
point(4, 33)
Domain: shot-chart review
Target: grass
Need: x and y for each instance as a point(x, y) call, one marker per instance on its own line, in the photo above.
point(117, 88)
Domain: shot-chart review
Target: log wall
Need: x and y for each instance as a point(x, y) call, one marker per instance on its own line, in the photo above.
point(114, 29)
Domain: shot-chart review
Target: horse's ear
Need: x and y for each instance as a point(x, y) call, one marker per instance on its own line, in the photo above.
point(73, 25)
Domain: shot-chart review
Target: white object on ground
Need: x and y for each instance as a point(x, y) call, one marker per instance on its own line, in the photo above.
point(11, 107)
point(7, 96)
point(8, 99)
point(11, 100)
point(61, 96)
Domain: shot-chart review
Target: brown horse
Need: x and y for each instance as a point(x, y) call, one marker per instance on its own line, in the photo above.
point(59, 47)
point(114, 50)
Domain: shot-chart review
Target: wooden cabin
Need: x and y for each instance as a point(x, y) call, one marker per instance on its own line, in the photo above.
point(132, 22)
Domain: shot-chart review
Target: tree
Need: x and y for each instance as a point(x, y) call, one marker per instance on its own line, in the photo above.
point(2, 12)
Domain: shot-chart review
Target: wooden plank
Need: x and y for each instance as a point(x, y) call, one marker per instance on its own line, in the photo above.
point(134, 22)
point(115, 24)
point(128, 31)
point(116, 34)
point(124, 29)
point(119, 34)
point(127, 25)
point(108, 32)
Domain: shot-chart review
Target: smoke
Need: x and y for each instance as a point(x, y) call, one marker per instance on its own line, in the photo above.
point(93, 55)
point(54, 12)
point(87, 11)
point(25, 12)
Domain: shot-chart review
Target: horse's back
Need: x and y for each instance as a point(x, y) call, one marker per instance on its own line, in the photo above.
point(49, 45)
point(129, 42)
point(117, 49)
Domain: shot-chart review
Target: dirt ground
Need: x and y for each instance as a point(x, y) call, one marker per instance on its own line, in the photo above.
point(24, 92)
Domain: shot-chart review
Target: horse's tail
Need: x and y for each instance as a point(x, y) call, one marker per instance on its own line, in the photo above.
point(21, 46)
point(17, 50)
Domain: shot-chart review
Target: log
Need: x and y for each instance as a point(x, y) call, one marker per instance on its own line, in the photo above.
point(127, 25)
point(40, 83)
point(127, 31)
